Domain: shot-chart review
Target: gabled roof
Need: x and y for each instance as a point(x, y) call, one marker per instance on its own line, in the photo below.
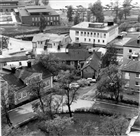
point(73, 55)
point(93, 61)
point(20, 75)
point(132, 66)
point(132, 43)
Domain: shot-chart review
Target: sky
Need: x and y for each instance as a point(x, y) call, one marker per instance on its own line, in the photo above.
point(85, 3)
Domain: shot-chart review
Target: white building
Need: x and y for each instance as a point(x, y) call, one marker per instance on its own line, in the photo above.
point(50, 43)
point(94, 33)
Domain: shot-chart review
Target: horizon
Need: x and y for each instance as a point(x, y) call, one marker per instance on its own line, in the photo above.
point(62, 3)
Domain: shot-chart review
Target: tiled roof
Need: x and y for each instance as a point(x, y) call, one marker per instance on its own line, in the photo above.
point(93, 61)
point(132, 43)
point(73, 55)
point(132, 66)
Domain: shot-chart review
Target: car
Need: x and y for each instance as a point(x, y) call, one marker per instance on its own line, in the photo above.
point(74, 85)
point(91, 80)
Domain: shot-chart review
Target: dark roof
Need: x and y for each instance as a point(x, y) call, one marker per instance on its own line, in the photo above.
point(93, 61)
point(73, 55)
point(132, 43)
point(18, 77)
point(11, 59)
point(132, 66)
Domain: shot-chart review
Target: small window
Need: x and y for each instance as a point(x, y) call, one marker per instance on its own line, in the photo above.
point(77, 39)
point(91, 34)
point(87, 33)
point(84, 33)
point(24, 94)
point(98, 41)
point(103, 41)
point(84, 39)
point(94, 33)
point(77, 32)
point(89, 40)
point(130, 50)
point(81, 33)
point(137, 75)
point(137, 83)
point(104, 35)
point(19, 96)
point(129, 56)
point(93, 40)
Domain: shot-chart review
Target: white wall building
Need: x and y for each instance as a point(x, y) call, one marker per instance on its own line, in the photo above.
point(97, 33)
point(50, 43)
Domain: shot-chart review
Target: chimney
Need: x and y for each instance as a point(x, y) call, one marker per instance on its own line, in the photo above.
point(13, 69)
point(29, 64)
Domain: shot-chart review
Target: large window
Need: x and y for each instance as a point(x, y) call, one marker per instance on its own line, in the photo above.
point(127, 75)
point(76, 32)
point(77, 39)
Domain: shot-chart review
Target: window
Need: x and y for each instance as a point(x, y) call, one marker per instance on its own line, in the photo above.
point(129, 57)
point(39, 19)
point(48, 18)
point(103, 41)
point(89, 40)
point(97, 34)
point(57, 18)
point(32, 18)
point(81, 33)
point(130, 50)
point(104, 35)
point(19, 96)
point(137, 75)
point(47, 83)
point(6, 10)
point(93, 40)
point(84, 33)
point(24, 94)
point(77, 39)
point(137, 83)
point(98, 41)
point(91, 34)
point(76, 32)
point(87, 33)
point(84, 39)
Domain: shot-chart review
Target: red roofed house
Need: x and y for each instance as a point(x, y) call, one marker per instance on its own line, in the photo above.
point(91, 66)
point(131, 74)
point(20, 78)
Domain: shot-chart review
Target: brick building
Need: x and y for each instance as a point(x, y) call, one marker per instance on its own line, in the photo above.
point(30, 15)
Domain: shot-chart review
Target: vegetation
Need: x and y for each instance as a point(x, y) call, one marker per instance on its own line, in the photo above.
point(76, 19)
point(110, 82)
point(69, 13)
point(126, 7)
point(42, 25)
point(97, 11)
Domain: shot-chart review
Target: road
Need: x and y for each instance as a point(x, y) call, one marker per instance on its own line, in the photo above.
point(116, 108)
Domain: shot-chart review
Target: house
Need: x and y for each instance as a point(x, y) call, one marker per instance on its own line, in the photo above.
point(131, 74)
point(30, 15)
point(131, 50)
point(50, 43)
point(99, 34)
point(74, 57)
point(21, 78)
point(8, 5)
point(91, 66)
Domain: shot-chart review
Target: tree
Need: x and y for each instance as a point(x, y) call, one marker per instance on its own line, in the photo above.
point(76, 19)
point(57, 126)
point(110, 82)
point(69, 13)
point(70, 94)
point(36, 2)
point(126, 7)
point(42, 23)
point(7, 98)
point(110, 57)
point(120, 14)
point(114, 126)
point(45, 2)
point(97, 11)
point(88, 16)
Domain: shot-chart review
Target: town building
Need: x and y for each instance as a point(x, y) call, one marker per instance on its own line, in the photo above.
point(21, 78)
point(31, 15)
point(131, 50)
point(91, 66)
point(131, 74)
point(8, 5)
point(50, 43)
point(96, 34)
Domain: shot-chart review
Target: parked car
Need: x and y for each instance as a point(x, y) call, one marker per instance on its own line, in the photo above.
point(91, 80)
point(83, 82)
point(74, 85)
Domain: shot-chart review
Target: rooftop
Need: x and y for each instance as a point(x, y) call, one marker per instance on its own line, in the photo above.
point(132, 66)
point(94, 26)
point(133, 43)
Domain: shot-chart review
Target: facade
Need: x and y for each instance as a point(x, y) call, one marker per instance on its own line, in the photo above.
point(98, 34)
point(30, 15)
point(21, 78)
point(50, 43)
point(131, 74)
point(131, 50)
point(8, 5)
point(91, 66)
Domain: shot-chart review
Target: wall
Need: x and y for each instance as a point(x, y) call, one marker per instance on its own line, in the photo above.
point(88, 72)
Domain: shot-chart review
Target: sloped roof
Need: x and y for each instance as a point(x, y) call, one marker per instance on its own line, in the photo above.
point(136, 124)
point(132, 43)
point(93, 61)
point(73, 55)
point(132, 66)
